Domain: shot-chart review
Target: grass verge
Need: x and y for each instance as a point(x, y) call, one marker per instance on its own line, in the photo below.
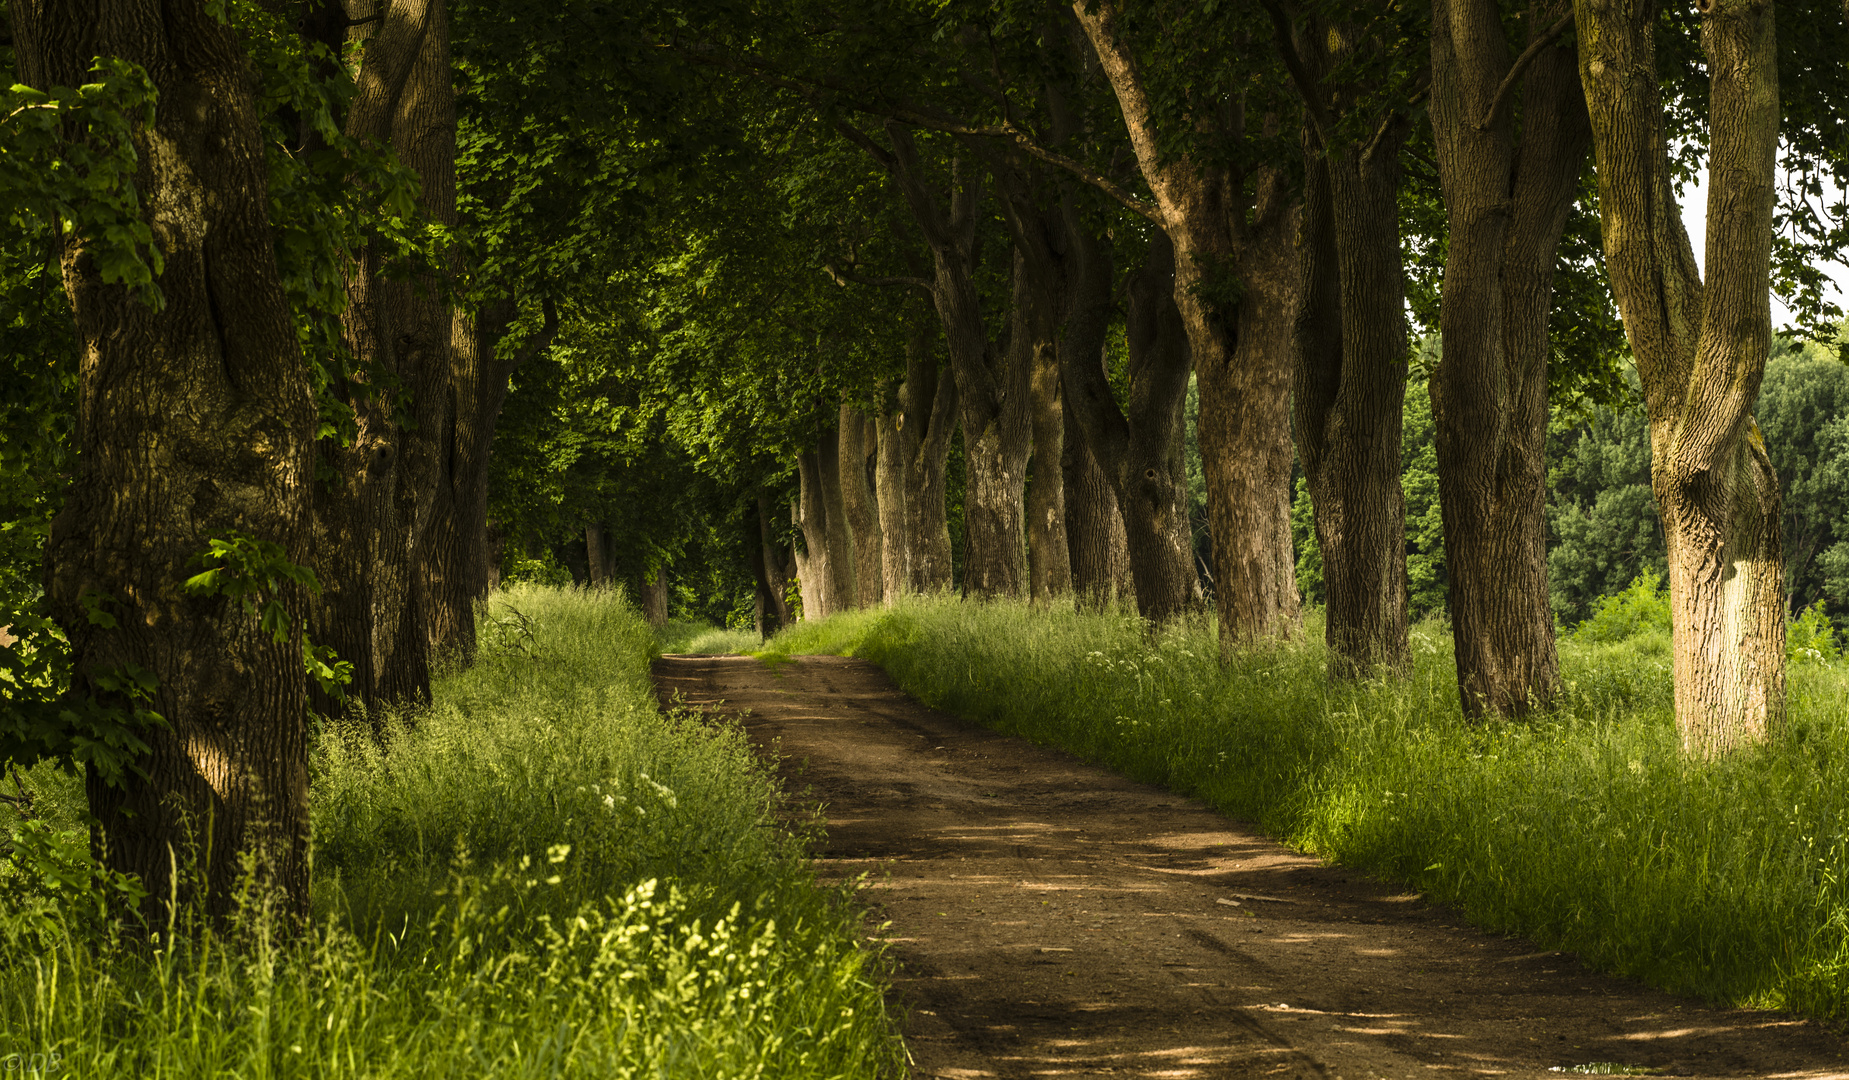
point(544, 877)
point(1584, 830)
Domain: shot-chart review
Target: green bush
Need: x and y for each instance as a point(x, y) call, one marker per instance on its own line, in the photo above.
point(544, 876)
point(1811, 639)
point(1642, 607)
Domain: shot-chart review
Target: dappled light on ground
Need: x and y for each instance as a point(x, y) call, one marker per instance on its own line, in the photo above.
point(1053, 919)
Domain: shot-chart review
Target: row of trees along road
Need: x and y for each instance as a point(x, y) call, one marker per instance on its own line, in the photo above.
point(921, 287)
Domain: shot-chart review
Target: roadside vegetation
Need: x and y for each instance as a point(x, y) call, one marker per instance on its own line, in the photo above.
point(1583, 828)
point(541, 875)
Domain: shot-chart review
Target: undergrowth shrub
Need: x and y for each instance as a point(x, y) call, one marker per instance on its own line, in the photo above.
point(540, 876)
point(1584, 829)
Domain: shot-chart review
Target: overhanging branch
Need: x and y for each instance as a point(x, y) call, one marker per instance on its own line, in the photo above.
point(1500, 103)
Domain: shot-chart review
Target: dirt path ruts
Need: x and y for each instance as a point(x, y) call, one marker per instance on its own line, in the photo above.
point(1054, 919)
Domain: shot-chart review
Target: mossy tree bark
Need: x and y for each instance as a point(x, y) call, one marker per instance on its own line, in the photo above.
point(1700, 348)
point(1507, 200)
point(195, 422)
point(1240, 347)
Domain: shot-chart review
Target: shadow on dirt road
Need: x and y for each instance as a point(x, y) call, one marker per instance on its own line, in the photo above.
point(1052, 919)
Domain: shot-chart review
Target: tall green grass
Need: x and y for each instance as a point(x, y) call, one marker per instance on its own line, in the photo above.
point(543, 876)
point(1585, 829)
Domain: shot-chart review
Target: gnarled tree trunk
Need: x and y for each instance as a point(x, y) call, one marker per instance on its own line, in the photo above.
point(926, 422)
point(1241, 360)
point(195, 423)
point(1141, 453)
point(1507, 207)
point(1351, 347)
point(992, 393)
point(1032, 344)
point(1700, 348)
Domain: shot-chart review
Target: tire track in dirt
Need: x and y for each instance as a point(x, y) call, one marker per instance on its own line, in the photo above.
point(1053, 919)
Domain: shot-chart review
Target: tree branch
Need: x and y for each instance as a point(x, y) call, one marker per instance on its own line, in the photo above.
point(809, 87)
point(1307, 88)
point(844, 277)
point(1501, 100)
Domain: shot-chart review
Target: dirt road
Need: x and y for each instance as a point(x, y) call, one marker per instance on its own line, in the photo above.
point(1052, 919)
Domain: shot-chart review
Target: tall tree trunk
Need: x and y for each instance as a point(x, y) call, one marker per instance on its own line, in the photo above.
point(926, 423)
point(889, 484)
point(1032, 344)
point(1700, 348)
point(858, 443)
point(456, 559)
point(594, 556)
point(1351, 343)
point(652, 595)
point(844, 585)
point(195, 423)
point(992, 393)
point(1242, 364)
point(1097, 542)
point(371, 522)
point(768, 566)
point(1142, 453)
point(815, 571)
point(1507, 208)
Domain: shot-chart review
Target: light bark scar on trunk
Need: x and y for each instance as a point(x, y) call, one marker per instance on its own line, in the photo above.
point(177, 200)
point(211, 763)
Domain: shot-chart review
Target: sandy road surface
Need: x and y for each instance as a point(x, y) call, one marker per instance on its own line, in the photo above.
point(1052, 919)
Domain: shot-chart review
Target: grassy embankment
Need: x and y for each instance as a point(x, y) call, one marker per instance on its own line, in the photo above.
point(544, 877)
point(1585, 830)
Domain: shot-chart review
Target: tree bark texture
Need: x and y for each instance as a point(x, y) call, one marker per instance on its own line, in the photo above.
point(195, 422)
point(1507, 205)
point(770, 566)
point(651, 589)
point(925, 423)
point(1350, 368)
point(1700, 348)
point(455, 559)
point(598, 557)
point(1098, 544)
point(1240, 353)
point(859, 443)
point(815, 573)
point(1097, 538)
point(889, 491)
point(371, 521)
point(992, 393)
point(1033, 344)
point(838, 532)
point(1141, 452)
